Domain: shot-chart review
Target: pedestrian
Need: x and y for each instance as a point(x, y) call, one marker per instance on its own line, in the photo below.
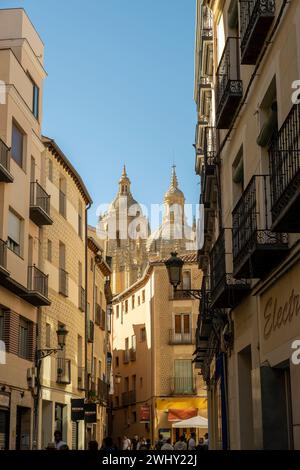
point(160, 442)
point(141, 443)
point(93, 445)
point(201, 445)
point(126, 443)
point(167, 445)
point(58, 440)
point(134, 442)
point(181, 444)
point(192, 441)
point(108, 444)
point(206, 440)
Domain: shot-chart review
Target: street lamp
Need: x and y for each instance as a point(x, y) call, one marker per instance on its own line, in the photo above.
point(39, 356)
point(174, 267)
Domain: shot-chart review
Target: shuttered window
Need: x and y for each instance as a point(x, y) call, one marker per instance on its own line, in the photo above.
point(14, 232)
point(24, 338)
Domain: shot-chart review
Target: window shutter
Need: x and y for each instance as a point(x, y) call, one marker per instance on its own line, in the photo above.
point(186, 323)
point(177, 324)
point(14, 227)
point(11, 332)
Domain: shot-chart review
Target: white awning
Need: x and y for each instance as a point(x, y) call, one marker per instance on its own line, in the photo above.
point(195, 422)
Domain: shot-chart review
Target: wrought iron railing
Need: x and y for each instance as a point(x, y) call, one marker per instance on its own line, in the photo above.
point(37, 281)
point(3, 254)
point(39, 197)
point(183, 385)
point(63, 282)
point(63, 371)
point(250, 11)
point(81, 298)
point(228, 73)
point(4, 156)
point(284, 156)
point(103, 389)
point(251, 219)
point(210, 145)
point(129, 398)
point(181, 337)
point(81, 378)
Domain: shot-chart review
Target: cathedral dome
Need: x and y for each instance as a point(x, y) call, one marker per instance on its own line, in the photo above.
point(174, 195)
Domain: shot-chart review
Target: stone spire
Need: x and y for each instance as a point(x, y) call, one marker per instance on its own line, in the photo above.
point(124, 183)
point(174, 195)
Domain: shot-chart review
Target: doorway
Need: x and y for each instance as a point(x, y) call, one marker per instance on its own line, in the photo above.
point(23, 428)
point(4, 429)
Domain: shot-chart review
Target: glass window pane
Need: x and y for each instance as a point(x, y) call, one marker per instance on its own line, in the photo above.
point(17, 145)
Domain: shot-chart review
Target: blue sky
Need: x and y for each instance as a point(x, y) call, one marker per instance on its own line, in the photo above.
point(120, 90)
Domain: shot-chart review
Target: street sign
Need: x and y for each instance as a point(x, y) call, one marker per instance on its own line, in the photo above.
point(145, 414)
point(90, 413)
point(77, 409)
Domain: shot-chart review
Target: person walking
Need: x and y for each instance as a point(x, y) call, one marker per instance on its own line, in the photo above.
point(167, 445)
point(160, 442)
point(181, 444)
point(192, 441)
point(126, 443)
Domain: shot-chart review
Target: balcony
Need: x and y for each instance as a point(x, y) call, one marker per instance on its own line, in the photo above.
point(81, 299)
point(229, 87)
point(204, 99)
point(132, 354)
point(3, 259)
point(90, 336)
point(184, 293)
point(81, 378)
point(63, 282)
point(5, 176)
point(209, 167)
point(226, 291)
point(176, 338)
point(37, 287)
point(103, 390)
point(183, 385)
point(129, 398)
point(63, 371)
point(256, 17)
point(284, 156)
point(39, 205)
point(256, 249)
point(126, 356)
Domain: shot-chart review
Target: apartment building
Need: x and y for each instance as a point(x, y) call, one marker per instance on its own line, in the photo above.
point(24, 211)
point(247, 154)
point(99, 352)
point(155, 382)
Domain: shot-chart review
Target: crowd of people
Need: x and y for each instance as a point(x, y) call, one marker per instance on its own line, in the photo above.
point(138, 443)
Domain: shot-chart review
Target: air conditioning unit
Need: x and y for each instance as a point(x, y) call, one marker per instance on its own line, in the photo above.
point(31, 377)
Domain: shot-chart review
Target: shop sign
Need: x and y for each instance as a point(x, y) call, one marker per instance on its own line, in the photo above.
point(145, 414)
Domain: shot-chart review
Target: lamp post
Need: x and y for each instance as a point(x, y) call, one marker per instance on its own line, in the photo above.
point(39, 356)
point(174, 267)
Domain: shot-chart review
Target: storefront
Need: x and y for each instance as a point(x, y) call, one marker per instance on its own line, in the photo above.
point(4, 421)
point(279, 374)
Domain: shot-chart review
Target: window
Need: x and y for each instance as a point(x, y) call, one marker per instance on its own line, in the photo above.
point(117, 361)
point(49, 251)
point(126, 306)
point(80, 219)
point(1, 325)
point(143, 334)
point(14, 232)
point(182, 324)
point(126, 344)
point(186, 280)
point(183, 376)
point(62, 197)
point(134, 416)
point(141, 382)
point(62, 255)
point(117, 402)
point(32, 169)
point(133, 342)
point(24, 338)
point(35, 98)
point(92, 264)
point(50, 170)
point(132, 301)
point(17, 145)
point(238, 176)
point(117, 311)
point(143, 296)
point(48, 335)
point(139, 300)
point(134, 382)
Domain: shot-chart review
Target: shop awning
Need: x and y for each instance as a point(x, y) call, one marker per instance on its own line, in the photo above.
point(176, 414)
point(195, 422)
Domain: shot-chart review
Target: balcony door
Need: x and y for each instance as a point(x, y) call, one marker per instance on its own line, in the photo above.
point(183, 376)
point(182, 328)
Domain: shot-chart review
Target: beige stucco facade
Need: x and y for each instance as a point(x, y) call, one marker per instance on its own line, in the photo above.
point(254, 404)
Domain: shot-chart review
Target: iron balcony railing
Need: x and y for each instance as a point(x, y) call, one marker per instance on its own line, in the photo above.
point(229, 88)
point(5, 156)
point(284, 156)
point(103, 390)
point(176, 338)
point(253, 242)
point(37, 281)
point(183, 385)
point(63, 371)
point(256, 17)
point(209, 163)
point(81, 298)
point(129, 398)
point(81, 378)
point(3, 254)
point(63, 282)
point(39, 197)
